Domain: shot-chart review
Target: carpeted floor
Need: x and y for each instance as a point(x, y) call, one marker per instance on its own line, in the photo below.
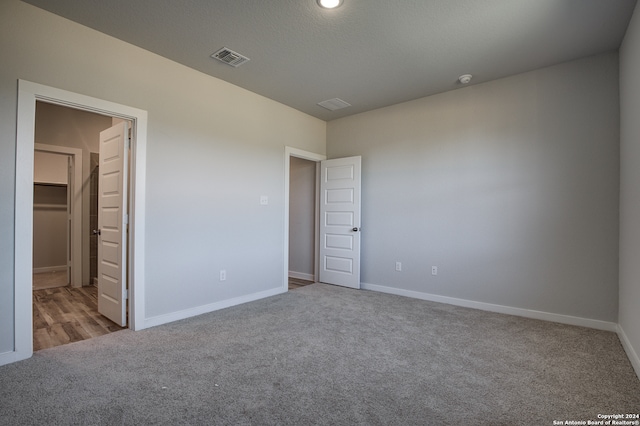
point(328, 355)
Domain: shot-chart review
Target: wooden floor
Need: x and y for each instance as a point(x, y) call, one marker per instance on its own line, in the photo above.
point(67, 314)
point(296, 283)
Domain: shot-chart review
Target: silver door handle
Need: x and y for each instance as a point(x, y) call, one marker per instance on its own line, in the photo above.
point(96, 232)
point(356, 229)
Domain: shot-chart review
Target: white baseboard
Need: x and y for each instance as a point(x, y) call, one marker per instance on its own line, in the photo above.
point(301, 276)
point(49, 269)
point(527, 313)
point(628, 348)
point(14, 356)
point(199, 310)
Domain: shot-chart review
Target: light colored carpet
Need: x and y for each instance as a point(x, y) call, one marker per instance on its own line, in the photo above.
point(327, 355)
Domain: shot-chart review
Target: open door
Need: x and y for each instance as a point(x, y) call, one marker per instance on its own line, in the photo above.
point(340, 222)
point(112, 224)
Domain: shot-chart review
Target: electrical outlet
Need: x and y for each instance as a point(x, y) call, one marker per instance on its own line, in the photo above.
point(434, 270)
point(398, 266)
point(223, 275)
point(264, 200)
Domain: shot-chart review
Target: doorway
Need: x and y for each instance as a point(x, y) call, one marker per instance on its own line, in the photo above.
point(65, 307)
point(337, 218)
point(53, 263)
point(302, 222)
point(28, 94)
point(62, 130)
point(301, 212)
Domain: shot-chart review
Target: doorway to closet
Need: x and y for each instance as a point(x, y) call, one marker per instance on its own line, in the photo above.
point(65, 215)
point(133, 297)
point(53, 234)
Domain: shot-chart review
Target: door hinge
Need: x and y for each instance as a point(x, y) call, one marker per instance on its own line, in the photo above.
point(126, 219)
point(126, 294)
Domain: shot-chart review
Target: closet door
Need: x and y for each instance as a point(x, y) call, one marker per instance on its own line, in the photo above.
point(112, 224)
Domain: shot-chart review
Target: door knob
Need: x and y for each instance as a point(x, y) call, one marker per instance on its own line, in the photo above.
point(96, 232)
point(356, 229)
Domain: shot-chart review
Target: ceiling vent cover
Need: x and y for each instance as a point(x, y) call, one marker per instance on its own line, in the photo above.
point(230, 57)
point(334, 104)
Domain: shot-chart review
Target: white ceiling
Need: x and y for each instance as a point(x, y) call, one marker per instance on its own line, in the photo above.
point(369, 53)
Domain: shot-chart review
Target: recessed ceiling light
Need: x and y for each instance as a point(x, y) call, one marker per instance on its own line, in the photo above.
point(329, 4)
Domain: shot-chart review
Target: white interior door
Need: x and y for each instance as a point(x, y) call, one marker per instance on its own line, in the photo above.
point(340, 221)
point(112, 224)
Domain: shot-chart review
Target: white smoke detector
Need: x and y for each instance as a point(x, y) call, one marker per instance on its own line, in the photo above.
point(465, 78)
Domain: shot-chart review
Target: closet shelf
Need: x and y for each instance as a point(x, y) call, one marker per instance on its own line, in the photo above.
point(50, 206)
point(49, 183)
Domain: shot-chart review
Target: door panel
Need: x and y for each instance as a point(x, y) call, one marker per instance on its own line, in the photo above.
point(340, 222)
point(112, 226)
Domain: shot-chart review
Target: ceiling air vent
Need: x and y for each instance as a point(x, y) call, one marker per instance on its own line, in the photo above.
point(230, 57)
point(334, 104)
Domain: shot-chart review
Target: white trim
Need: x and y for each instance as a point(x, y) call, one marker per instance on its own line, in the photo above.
point(28, 93)
point(76, 209)
point(23, 227)
point(501, 309)
point(628, 348)
point(9, 357)
point(46, 269)
point(305, 155)
point(204, 309)
point(316, 233)
point(302, 276)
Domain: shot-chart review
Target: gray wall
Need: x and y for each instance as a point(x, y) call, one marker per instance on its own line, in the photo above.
point(629, 317)
point(302, 195)
point(213, 149)
point(68, 127)
point(509, 187)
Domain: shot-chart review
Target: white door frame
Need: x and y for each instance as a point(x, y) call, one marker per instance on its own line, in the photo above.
point(28, 94)
point(305, 155)
point(76, 207)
